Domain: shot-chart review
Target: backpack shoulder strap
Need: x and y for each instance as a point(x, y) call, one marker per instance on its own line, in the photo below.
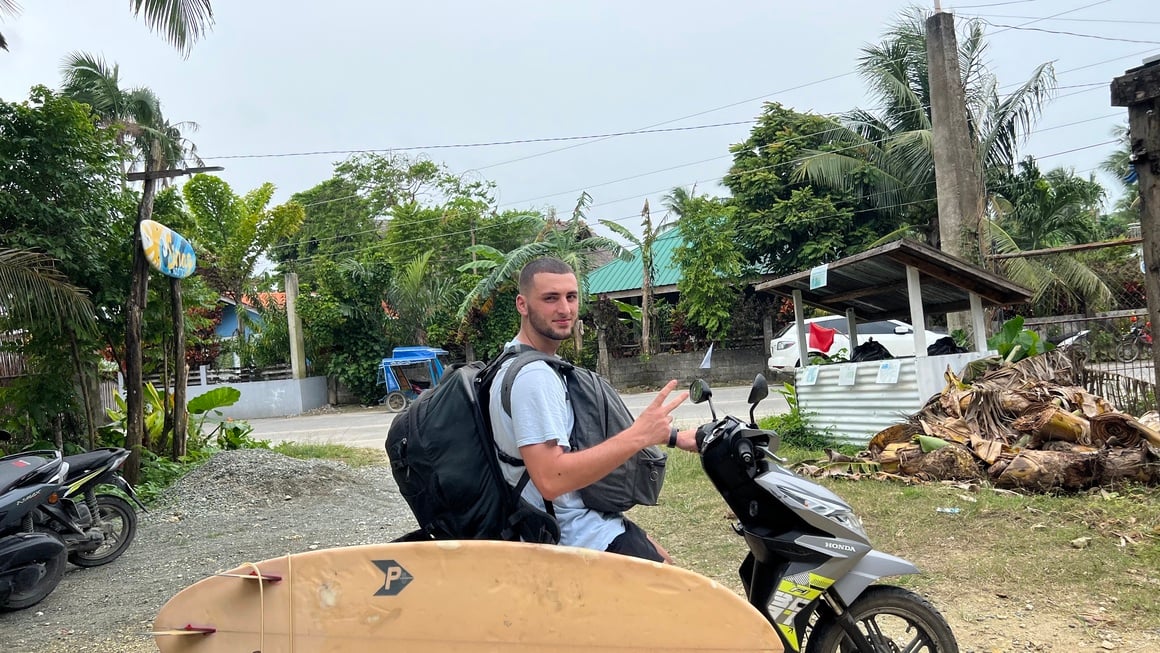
point(524, 358)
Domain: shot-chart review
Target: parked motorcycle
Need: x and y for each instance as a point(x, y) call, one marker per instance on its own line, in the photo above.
point(31, 562)
point(810, 564)
point(1136, 341)
point(96, 528)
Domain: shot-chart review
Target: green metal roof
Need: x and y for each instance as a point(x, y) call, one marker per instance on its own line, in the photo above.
point(618, 275)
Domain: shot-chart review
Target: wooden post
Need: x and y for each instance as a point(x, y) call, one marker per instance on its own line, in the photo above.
point(917, 317)
point(1138, 89)
point(294, 326)
point(800, 328)
point(852, 329)
point(978, 324)
point(134, 308)
point(180, 370)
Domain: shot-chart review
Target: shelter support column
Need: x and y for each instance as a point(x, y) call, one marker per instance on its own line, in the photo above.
point(978, 324)
point(917, 319)
point(852, 328)
point(800, 321)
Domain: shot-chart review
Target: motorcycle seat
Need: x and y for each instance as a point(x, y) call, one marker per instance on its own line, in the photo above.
point(88, 460)
point(22, 469)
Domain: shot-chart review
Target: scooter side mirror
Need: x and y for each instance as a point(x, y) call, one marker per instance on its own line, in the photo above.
point(759, 391)
point(699, 391)
point(5, 436)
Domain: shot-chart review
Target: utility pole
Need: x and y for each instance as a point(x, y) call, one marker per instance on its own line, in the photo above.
point(1138, 89)
point(956, 163)
point(958, 179)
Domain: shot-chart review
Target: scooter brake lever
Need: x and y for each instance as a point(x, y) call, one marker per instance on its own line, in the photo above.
point(766, 451)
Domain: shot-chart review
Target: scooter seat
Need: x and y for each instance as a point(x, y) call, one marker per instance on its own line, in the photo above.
point(20, 469)
point(88, 460)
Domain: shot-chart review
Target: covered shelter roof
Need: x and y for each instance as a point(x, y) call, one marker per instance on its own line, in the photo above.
point(874, 283)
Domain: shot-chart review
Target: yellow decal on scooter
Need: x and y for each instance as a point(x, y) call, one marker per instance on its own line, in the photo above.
point(790, 636)
point(81, 481)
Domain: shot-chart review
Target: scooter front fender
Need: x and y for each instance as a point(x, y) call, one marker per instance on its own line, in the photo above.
point(870, 568)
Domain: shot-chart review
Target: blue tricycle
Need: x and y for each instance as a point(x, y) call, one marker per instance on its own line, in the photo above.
point(409, 371)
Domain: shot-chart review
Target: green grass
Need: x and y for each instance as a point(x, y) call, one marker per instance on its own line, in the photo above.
point(998, 545)
point(353, 456)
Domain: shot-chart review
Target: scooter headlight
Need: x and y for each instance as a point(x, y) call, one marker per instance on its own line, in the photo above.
point(836, 512)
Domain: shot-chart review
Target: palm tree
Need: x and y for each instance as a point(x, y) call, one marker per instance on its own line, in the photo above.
point(887, 156)
point(35, 296)
point(136, 115)
point(572, 241)
point(417, 295)
point(1037, 211)
point(182, 22)
point(644, 245)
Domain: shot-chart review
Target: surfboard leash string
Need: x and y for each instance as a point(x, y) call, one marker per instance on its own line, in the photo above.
point(261, 606)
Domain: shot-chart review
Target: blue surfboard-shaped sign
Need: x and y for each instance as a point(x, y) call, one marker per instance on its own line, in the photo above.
point(167, 251)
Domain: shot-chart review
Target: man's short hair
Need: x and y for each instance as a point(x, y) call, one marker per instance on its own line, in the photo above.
point(536, 266)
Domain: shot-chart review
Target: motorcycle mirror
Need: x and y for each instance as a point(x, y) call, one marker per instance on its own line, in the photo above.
point(5, 436)
point(699, 391)
point(759, 391)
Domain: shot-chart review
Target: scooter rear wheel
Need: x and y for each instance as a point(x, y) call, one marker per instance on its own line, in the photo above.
point(118, 521)
point(49, 573)
point(893, 619)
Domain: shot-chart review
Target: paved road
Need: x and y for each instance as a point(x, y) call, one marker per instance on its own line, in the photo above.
point(1142, 370)
point(367, 427)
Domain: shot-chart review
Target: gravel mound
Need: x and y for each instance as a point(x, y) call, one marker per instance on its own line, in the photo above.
point(240, 506)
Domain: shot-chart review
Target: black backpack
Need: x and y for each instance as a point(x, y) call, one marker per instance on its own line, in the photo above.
point(446, 463)
point(443, 458)
point(599, 413)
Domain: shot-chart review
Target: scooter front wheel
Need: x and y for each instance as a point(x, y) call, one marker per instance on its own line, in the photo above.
point(118, 522)
point(37, 581)
point(892, 619)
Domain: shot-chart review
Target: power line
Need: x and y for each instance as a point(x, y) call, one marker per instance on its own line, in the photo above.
point(382, 244)
point(994, 4)
point(589, 187)
point(1126, 21)
point(1065, 33)
point(518, 141)
point(666, 122)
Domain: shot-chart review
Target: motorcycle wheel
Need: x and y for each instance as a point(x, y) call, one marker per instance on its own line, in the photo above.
point(396, 402)
point(1127, 351)
point(118, 521)
point(50, 572)
point(893, 619)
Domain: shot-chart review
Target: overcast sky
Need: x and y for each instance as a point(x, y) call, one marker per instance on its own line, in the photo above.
point(286, 76)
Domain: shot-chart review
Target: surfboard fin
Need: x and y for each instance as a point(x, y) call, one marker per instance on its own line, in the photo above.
point(253, 576)
point(189, 629)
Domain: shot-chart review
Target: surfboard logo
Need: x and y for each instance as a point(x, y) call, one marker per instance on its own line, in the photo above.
point(396, 579)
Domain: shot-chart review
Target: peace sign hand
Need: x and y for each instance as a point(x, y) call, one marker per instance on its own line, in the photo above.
point(655, 423)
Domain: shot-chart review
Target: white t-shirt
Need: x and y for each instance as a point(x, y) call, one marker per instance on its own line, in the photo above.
point(542, 413)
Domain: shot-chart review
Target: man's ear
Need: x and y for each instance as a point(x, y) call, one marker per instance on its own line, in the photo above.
point(521, 305)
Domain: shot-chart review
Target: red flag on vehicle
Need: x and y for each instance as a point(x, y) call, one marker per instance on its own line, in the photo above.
point(821, 338)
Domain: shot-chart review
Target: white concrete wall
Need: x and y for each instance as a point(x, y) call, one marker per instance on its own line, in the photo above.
point(271, 398)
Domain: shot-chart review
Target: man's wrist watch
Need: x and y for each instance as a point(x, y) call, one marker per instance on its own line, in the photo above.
point(672, 437)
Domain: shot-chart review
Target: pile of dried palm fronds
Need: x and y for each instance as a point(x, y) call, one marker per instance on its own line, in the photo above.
point(1021, 426)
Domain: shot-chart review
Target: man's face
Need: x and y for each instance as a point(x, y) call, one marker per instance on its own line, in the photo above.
point(551, 305)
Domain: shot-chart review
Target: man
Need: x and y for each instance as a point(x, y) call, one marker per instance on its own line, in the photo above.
point(541, 419)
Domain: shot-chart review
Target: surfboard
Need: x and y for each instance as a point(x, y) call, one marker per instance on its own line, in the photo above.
point(166, 250)
point(460, 597)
